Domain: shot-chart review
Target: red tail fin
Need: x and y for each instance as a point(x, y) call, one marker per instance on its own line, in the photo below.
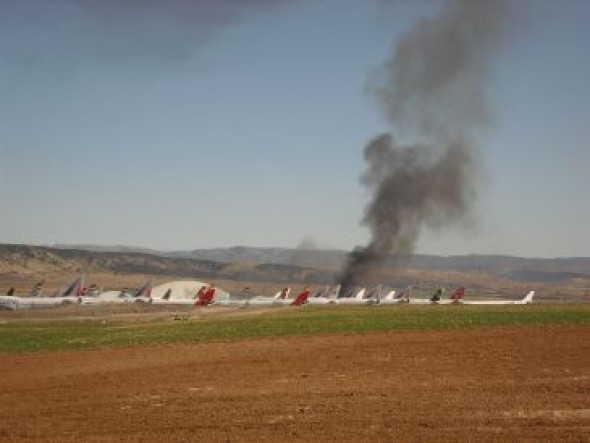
point(458, 294)
point(301, 298)
point(206, 297)
point(199, 294)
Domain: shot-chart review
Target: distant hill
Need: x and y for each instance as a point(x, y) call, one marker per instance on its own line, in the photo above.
point(292, 262)
point(39, 259)
point(233, 267)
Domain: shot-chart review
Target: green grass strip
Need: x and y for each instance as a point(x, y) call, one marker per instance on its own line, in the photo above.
point(17, 337)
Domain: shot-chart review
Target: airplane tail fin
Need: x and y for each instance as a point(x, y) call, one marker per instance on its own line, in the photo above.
point(146, 290)
point(324, 292)
point(205, 297)
point(301, 298)
point(360, 294)
point(528, 298)
point(390, 295)
point(335, 292)
point(74, 289)
point(283, 293)
point(404, 294)
point(200, 293)
point(459, 294)
point(167, 294)
point(374, 293)
point(37, 289)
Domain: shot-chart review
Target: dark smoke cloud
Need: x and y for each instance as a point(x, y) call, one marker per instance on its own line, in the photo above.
point(431, 90)
point(307, 243)
point(115, 30)
point(304, 253)
point(434, 83)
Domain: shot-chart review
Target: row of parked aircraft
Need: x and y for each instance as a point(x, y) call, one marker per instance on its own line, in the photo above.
point(201, 294)
point(382, 296)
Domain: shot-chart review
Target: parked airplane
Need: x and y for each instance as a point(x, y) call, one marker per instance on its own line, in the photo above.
point(527, 299)
point(9, 301)
point(199, 299)
point(458, 297)
point(395, 297)
point(167, 295)
point(283, 293)
point(279, 299)
point(206, 296)
point(180, 292)
point(392, 298)
point(140, 294)
point(359, 297)
point(437, 298)
point(327, 295)
point(327, 292)
point(301, 299)
point(69, 294)
point(144, 293)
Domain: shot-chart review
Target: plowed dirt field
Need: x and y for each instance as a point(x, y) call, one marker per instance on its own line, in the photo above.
point(505, 384)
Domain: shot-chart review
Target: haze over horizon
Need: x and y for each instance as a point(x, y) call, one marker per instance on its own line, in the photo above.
point(185, 125)
point(310, 248)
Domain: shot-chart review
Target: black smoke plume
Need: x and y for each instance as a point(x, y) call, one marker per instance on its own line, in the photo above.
point(432, 91)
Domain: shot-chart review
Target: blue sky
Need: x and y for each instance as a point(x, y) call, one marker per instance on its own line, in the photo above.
point(144, 128)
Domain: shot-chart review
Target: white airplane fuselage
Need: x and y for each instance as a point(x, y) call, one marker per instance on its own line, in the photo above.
point(172, 301)
point(15, 302)
point(353, 301)
point(321, 301)
point(427, 301)
point(256, 301)
point(527, 299)
point(390, 299)
point(114, 297)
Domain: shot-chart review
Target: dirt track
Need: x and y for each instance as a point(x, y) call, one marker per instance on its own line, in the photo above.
point(498, 384)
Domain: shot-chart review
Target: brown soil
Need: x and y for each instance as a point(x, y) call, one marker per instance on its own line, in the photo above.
point(529, 384)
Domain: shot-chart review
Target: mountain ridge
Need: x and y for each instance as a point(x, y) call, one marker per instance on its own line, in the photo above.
point(513, 275)
point(495, 263)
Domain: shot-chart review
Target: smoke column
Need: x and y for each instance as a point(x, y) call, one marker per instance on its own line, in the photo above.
point(432, 91)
